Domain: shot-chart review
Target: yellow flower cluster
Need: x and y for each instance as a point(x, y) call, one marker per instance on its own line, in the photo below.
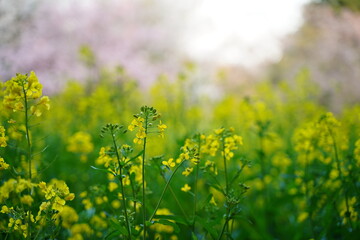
point(138, 122)
point(317, 138)
point(22, 88)
point(20, 225)
point(187, 171)
point(3, 164)
point(211, 145)
point(56, 194)
point(144, 121)
point(79, 230)
point(169, 163)
point(104, 158)
point(161, 127)
point(81, 143)
point(350, 213)
point(225, 137)
point(231, 143)
point(2, 137)
point(14, 187)
point(357, 153)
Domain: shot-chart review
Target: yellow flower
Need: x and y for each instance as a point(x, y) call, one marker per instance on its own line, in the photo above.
point(212, 201)
point(158, 227)
point(138, 141)
point(58, 204)
point(136, 123)
point(70, 197)
point(186, 188)
point(219, 131)
point(24, 87)
point(170, 163)
point(116, 204)
point(2, 137)
point(41, 106)
point(140, 135)
point(27, 199)
point(80, 142)
point(302, 217)
point(187, 171)
point(161, 128)
point(3, 164)
point(68, 216)
point(5, 209)
point(112, 186)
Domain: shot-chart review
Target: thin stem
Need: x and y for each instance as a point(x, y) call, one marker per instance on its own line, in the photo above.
point(179, 204)
point(227, 186)
point(177, 200)
point(195, 194)
point(143, 177)
point(121, 185)
point(196, 183)
point(307, 192)
point(164, 190)
point(225, 168)
point(28, 154)
point(27, 132)
point(341, 175)
point(134, 195)
point(223, 228)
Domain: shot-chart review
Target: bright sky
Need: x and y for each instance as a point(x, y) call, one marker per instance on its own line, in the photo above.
point(240, 31)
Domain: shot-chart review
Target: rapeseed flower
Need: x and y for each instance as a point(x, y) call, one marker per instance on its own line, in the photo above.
point(3, 164)
point(3, 138)
point(186, 188)
point(169, 163)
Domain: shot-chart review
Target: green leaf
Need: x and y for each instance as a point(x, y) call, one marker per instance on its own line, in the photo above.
point(102, 169)
point(137, 155)
point(118, 227)
point(175, 218)
point(112, 234)
point(217, 187)
point(194, 237)
point(205, 202)
point(123, 152)
point(207, 226)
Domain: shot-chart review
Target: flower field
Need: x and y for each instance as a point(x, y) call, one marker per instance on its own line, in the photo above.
point(110, 160)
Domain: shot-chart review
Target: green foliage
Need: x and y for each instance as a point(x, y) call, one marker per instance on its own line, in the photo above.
point(253, 166)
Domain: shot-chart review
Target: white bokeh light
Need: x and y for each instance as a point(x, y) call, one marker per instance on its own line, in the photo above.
point(239, 31)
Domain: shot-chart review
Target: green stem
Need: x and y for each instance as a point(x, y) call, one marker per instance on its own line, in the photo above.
point(341, 175)
point(196, 183)
point(27, 132)
point(121, 185)
point(225, 169)
point(177, 201)
point(226, 188)
point(134, 195)
point(164, 190)
point(307, 192)
point(28, 155)
point(195, 194)
point(179, 205)
point(223, 228)
point(143, 177)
